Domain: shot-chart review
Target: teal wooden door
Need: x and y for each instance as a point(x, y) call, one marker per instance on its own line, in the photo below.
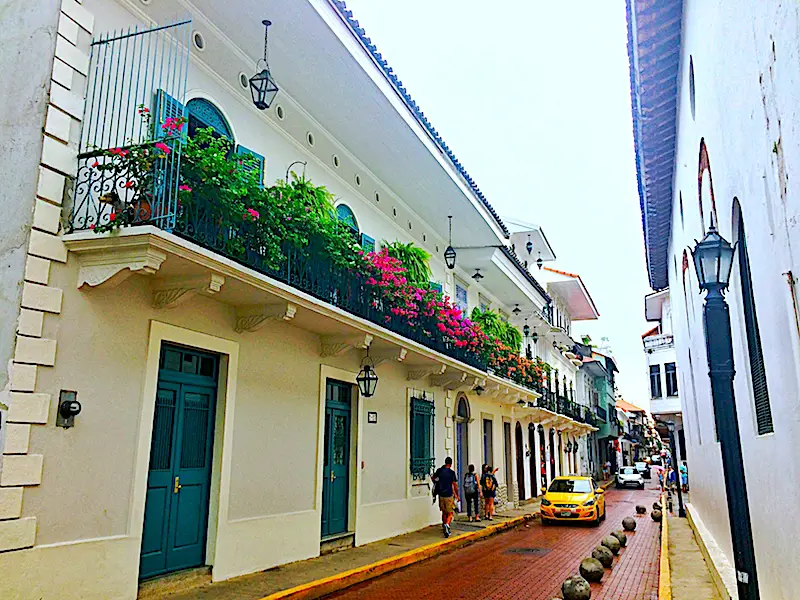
point(336, 470)
point(176, 505)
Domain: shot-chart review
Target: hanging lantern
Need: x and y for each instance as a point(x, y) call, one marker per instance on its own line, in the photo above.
point(529, 245)
point(262, 86)
point(477, 276)
point(516, 310)
point(526, 330)
point(449, 252)
point(539, 261)
point(367, 378)
point(535, 336)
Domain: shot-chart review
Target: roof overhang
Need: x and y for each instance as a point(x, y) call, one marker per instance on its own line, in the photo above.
point(328, 69)
point(594, 368)
point(654, 305)
point(521, 233)
point(654, 43)
point(575, 295)
point(509, 283)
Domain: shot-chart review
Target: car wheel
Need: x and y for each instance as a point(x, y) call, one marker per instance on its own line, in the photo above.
point(545, 522)
point(641, 487)
point(597, 519)
point(603, 518)
point(618, 485)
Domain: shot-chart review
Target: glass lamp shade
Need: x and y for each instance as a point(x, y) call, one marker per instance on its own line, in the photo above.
point(529, 246)
point(367, 379)
point(539, 262)
point(535, 337)
point(450, 257)
point(713, 260)
point(263, 89)
point(526, 330)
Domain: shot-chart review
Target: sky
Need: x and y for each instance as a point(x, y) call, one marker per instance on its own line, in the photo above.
point(533, 97)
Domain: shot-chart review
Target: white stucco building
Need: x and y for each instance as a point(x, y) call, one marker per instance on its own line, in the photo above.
point(714, 90)
point(662, 369)
point(220, 424)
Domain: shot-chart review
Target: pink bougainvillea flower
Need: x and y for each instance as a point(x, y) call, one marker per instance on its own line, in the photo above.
point(163, 147)
point(127, 184)
point(253, 213)
point(184, 188)
point(91, 226)
point(112, 217)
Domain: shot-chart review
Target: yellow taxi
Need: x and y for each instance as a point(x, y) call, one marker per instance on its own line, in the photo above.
point(573, 498)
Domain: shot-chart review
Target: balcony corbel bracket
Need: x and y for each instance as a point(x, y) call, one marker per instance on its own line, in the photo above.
point(393, 355)
point(252, 317)
point(111, 266)
point(336, 345)
point(449, 381)
point(418, 372)
point(174, 291)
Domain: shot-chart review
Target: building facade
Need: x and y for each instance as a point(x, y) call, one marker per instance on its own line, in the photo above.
point(717, 93)
point(176, 399)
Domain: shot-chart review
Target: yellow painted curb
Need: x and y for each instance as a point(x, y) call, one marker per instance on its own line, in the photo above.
point(340, 581)
point(664, 573)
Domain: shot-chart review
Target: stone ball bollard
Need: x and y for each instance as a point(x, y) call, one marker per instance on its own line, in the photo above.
point(611, 543)
point(656, 506)
point(620, 535)
point(576, 588)
point(656, 516)
point(641, 510)
point(604, 555)
point(629, 524)
point(591, 569)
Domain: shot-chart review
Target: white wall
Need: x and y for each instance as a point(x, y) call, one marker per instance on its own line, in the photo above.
point(747, 86)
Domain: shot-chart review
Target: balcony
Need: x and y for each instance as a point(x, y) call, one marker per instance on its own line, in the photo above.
point(658, 342)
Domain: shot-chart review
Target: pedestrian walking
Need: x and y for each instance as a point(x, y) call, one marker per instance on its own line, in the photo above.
point(489, 489)
point(684, 477)
point(471, 489)
point(445, 483)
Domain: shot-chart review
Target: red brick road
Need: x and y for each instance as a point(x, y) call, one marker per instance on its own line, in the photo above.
point(530, 563)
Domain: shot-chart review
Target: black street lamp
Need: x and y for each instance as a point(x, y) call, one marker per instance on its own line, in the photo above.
point(676, 467)
point(713, 259)
point(449, 252)
point(263, 88)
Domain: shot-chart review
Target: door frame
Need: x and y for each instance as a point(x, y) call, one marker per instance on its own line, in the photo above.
point(219, 491)
point(519, 442)
point(356, 434)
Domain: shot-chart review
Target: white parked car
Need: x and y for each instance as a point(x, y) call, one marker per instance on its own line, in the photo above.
point(628, 476)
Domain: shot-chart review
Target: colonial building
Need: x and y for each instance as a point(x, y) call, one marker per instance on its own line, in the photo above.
point(190, 389)
point(659, 348)
point(714, 90)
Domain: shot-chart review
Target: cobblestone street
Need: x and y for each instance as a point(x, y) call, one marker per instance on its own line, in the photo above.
point(531, 562)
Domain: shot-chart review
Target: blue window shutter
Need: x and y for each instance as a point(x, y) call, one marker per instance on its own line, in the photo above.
point(436, 286)
point(367, 243)
point(422, 438)
point(164, 107)
point(258, 164)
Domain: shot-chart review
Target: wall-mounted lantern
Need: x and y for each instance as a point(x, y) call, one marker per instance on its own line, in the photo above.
point(68, 409)
point(367, 378)
point(262, 86)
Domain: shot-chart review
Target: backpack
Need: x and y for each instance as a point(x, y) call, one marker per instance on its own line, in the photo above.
point(488, 483)
point(470, 485)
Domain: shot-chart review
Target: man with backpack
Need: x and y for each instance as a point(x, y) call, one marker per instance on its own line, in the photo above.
point(445, 482)
point(489, 488)
point(471, 493)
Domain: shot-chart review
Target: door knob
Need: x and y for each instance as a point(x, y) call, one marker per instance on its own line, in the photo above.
point(178, 485)
point(333, 476)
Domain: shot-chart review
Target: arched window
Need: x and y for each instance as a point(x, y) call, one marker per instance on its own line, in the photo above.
point(462, 410)
point(203, 114)
point(758, 373)
point(346, 216)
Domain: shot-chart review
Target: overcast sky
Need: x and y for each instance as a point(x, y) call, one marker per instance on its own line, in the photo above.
point(533, 97)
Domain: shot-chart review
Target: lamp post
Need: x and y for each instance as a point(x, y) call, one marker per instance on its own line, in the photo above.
point(713, 259)
point(671, 430)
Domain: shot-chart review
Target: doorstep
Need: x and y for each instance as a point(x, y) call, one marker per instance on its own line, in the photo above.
point(326, 574)
point(167, 585)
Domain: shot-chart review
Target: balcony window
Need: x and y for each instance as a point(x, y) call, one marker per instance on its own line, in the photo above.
point(655, 381)
point(671, 375)
point(461, 298)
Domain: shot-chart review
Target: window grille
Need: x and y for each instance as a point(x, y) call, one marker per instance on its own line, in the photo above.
point(422, 438)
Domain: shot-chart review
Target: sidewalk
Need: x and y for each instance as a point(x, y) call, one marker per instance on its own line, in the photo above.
point(691, 579)
point(393, 553)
